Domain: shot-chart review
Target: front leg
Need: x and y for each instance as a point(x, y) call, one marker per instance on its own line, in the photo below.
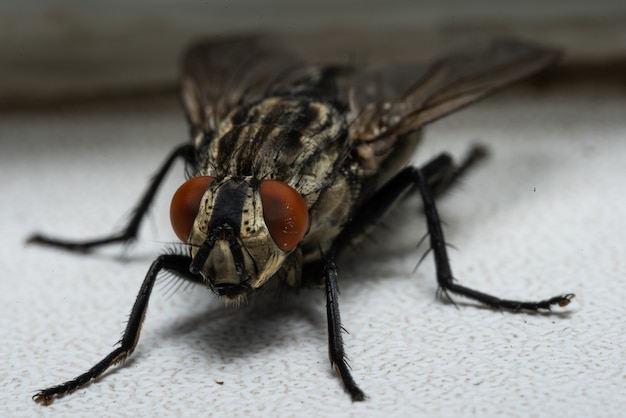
point(177, 264)
point(336, 352)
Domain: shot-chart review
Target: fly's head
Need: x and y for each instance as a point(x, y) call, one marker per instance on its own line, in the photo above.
point(240, 230)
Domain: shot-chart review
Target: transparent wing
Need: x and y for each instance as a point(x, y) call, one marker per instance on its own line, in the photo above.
point(220, 75)
point(400, 99)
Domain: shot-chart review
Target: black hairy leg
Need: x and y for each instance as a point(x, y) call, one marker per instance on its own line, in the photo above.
point(336, 352)
point(440, 173)
point(129, 233)
point(177, 264)
point(445, 278)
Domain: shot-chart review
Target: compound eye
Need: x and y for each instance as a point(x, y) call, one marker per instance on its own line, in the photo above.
point(285, 212)
point(186, 203)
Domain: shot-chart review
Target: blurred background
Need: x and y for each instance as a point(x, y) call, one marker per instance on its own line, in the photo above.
point(63, 50)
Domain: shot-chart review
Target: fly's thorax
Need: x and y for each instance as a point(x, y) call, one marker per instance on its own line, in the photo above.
point(243, 232)
point(296, 139)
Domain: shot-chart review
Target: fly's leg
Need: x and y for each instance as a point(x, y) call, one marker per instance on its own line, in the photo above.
point(177, 264)
point(445, 277)
point(441, 173)
point(129, 233)
point(336, 352)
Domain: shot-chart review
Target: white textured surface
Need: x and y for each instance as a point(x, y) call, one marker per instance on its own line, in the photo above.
point(545, 215)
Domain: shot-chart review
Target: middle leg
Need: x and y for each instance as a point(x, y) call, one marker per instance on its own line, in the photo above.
point(439, 173)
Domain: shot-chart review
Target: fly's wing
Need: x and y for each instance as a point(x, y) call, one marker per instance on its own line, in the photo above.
point(220, 75)
point(398, 100)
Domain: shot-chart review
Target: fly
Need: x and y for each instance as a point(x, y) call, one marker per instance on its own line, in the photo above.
point(291, 162)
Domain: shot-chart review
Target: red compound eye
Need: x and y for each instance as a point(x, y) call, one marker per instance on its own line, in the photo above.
point(285, 212)
point(186, 203)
